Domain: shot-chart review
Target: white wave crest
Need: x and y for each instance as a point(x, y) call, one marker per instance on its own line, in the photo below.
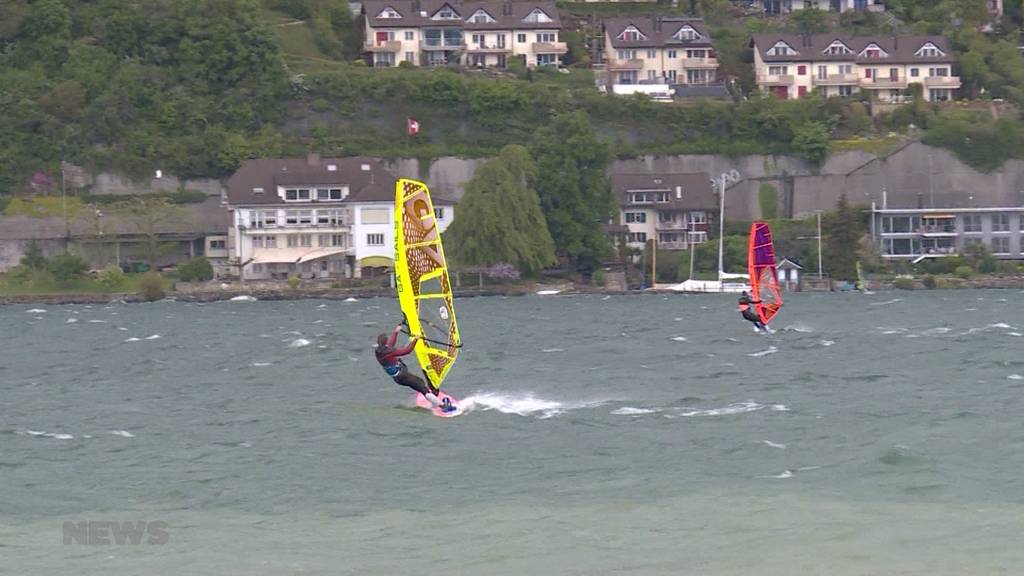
point(351, 299)
point(630, 411)
point(523, 405)
point(783, 475)
point(802, 328)
point(827, 343)
point(122, 433)
point(153, 337)
point(71, 320)
point(40, 433)
point(550, 350)
point(893, 301)
point(770, 350)
point(35, 311)
point(299, 343)
point(1015, 377)
point(134, 340)
point(773, 444)
point(261, 364)
point(735, 408)
point(244, 298)
point(679, 338)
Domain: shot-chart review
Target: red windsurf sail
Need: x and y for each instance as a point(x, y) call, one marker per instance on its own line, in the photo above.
point(764, 281)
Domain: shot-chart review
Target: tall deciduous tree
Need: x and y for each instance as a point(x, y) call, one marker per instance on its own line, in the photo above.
point(150, 215)
point(843, 230)
point(573, 188)
point(500, 218)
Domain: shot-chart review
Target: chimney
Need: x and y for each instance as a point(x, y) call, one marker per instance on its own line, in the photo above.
point(679, 192)
point(312, 160)
point(506, 7)
point(895, 43)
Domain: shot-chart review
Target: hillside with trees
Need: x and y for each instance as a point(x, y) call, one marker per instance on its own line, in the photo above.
point(192, 87)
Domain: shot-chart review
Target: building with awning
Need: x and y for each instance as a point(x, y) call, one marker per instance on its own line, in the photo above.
point(314, 217)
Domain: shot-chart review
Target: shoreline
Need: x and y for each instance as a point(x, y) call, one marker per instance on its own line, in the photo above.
point(203, 294)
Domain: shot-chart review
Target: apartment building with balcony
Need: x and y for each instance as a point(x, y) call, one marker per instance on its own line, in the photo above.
point(917, 234)
point(658, 50)
point(675, 209)
point(313, 217)
point(478, 34)
point(786, 6)
point(881, 67)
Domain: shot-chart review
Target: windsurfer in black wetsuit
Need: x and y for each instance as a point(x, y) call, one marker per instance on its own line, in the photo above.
point(749, 312)
point(390, 358)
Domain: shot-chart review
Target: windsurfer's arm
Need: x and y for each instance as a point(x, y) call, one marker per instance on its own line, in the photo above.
point(408, 348)
point(394, 336)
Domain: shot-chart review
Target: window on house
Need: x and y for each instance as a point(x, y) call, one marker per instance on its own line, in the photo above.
point(929, 50)
point(296, 194)
point(938, 71)
point(639, 198)
point(257, 268)
point(409, 35)
point(257, 242)
point(306, 240)
point(801, 70)
point(672, 76)
point(972, 222)
point(521, 38)
point(480, 17)
point(636, 217)
point(374, 239)
point(388, 13)
point(537, 15)
point(914, 72)
point(410, 57)
point(1001, 245)
point(673, 54)
point(697, 217)
point(478, 39)
point(822, 72)
point(845, 68)
point(446, 13)
point(696, 53)
point(662, 197)
point(838, 47)
point(1000, 222)
point(637, 237)
point(686, 33)
point(546, 38)
point(329, 217)
point(293, 241)
point(339, 240)
point(218, 244)
point(271, 241)
point(778, 70)
point(845, 90)
point(438, 213)
point(627, 54)
point(547, 59)
point(781, 49)
point(257, 190)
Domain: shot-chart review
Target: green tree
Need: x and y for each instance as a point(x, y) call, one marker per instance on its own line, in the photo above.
point(573, 189)
point(500, 218)
point(196, 270)
point(33, 257)
point(843, 230)
point(811, 142)
point(810, 21)
point(66, 267)
point(150, 215)
point(768, 198)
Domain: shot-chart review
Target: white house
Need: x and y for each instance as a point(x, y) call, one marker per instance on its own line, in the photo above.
point(673, 209)
point(313, 217)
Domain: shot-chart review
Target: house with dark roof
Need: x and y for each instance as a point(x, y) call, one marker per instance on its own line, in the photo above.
point(486, 33)
point(673, 208)
point(882, 67)
point(658, 50)
point(785, 6)
point(314, 217)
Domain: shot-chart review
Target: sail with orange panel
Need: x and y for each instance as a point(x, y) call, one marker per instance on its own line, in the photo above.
point(764, 281)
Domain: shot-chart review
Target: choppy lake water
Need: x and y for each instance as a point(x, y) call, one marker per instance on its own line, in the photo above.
point(872, 434)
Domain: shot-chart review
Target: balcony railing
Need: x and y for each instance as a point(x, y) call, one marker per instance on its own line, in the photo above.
point(699, 62)
point(550, 48)
point(383, 46)
point(436, 44)
point(672, 245)
point(775, 79)
point(487, 49)
point(836, 80)
point(675, 226)
point(634, 64)
point(952, 82)
point(883, 83)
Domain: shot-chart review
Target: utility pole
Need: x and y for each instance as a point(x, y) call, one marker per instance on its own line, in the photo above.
point(819, 244)
point(64, 206)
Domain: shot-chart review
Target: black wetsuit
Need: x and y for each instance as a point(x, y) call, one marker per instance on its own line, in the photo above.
point(390, 358)
point(749, 312)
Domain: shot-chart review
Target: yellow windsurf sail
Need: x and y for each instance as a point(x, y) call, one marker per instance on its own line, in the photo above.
point(421, 277)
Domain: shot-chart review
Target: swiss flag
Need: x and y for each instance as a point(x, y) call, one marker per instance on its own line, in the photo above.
point(414, 126)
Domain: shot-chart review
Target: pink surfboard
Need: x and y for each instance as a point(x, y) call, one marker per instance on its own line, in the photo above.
point(422, 402)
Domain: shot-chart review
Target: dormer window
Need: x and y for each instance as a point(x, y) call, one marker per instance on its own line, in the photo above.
point(631, 34)
point(873, 51)
point(687, 33)
point(257, 190)
point(388, 13)
point(481, 17)
point(781, 49)
point(929, 50)
point(446, 13)
point(837, 48)
point(537, 15)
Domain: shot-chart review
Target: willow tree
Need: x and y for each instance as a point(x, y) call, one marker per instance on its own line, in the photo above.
point(499, 219)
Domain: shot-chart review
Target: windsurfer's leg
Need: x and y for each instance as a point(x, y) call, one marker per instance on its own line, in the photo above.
point(408, 380)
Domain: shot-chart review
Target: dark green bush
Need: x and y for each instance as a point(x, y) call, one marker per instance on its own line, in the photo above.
point(196, 270)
